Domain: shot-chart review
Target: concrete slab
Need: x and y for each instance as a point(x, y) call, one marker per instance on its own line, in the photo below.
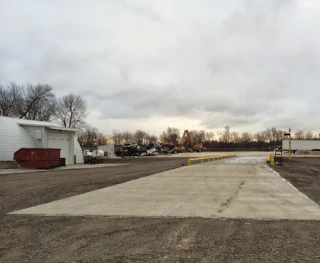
point(212, 190)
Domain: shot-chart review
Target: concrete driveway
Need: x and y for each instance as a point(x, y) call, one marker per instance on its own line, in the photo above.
point(242, 189)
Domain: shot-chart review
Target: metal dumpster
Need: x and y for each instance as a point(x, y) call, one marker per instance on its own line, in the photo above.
point(37, 158)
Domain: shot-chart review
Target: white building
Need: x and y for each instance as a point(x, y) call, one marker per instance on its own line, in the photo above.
point(19, 133)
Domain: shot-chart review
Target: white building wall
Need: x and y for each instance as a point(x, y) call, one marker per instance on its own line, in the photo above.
point(12, 138)
point(69, 139)
point(34, 132)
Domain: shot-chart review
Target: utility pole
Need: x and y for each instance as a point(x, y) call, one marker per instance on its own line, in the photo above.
point(289, 134)
point(289, 143)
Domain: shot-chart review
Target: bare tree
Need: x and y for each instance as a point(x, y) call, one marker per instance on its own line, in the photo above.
point(246, 137)
point(153, 139)
point(140, 135)
point(209, 136)
point(170, 135)
point(88, 137)
point(260, 137)
point(127, 136)
point(10, 98)
point(299, 135)
point(308, 135)
point(38, 103)
point(31, 102)
point(116, 137)
point(226, 135)
point(268, 135)
point(235, 137)
point(101, 139)
point(71, 111)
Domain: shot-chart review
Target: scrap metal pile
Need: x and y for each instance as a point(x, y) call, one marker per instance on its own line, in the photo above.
point(133, 149)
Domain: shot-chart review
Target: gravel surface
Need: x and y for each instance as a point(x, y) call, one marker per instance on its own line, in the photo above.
point(304, 174)
point(106, 239)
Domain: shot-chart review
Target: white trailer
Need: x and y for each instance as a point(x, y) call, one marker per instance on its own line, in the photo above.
point(303, 145)
point(109, 148)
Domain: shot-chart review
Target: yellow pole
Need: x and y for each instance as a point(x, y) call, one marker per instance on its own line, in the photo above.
point(289, 143)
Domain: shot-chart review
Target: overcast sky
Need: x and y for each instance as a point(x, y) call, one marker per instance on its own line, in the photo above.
point(192, 64)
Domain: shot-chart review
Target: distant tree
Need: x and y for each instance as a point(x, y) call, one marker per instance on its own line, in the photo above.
point(235, 137)
point(89, 137)
point(246, 137)
point(198, 136)
point(140, 136)
point(299, 135)
point(209, 136)
point(101, 139)
point(309, 135)
point(116, 137)
point(259, 137)
point(226, 135)
point(268, 135)
point(170, 135)
point(71, 111)
point(274, 134)
point(127, 136)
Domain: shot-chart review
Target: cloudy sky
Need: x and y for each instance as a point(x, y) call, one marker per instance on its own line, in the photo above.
point(192, 64)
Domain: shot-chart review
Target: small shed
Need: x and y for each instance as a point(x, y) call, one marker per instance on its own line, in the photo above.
point(19, 133)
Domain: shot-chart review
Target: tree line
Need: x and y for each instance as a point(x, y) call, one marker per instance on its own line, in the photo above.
point(38, 102)
point(225, 139)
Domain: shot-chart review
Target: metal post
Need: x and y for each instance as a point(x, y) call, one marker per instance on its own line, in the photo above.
point(289, 143)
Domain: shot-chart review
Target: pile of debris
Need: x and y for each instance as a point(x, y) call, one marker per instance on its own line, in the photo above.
point(133, 149)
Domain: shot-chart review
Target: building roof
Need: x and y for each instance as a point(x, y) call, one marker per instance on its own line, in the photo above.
point(49, 125)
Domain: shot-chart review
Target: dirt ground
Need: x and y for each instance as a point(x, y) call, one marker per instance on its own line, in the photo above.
point(304, 174)
point(106, 239)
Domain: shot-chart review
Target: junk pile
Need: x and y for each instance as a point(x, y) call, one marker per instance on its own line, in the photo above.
point(132, 148)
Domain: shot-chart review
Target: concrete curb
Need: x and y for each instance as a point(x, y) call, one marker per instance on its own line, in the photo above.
point(209, 159)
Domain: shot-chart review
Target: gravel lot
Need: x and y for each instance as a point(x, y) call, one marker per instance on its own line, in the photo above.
point(105, 239)
point(304, 174)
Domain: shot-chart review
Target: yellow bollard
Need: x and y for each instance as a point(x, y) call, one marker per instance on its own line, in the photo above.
point(189, 162)
point(271, 159)
point(202, 160)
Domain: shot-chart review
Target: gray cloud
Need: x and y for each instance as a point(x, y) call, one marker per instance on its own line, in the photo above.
point(248, 64)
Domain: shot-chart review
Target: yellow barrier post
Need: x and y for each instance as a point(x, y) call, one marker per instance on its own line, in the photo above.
point(271, 159)
point(189, 162)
